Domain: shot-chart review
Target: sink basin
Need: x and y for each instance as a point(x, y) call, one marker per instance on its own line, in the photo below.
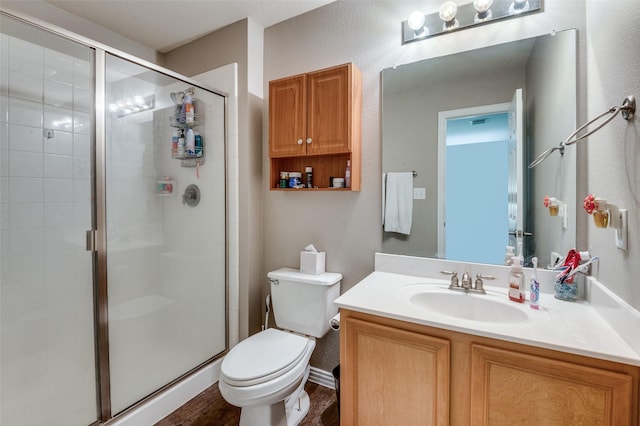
point(461, 305)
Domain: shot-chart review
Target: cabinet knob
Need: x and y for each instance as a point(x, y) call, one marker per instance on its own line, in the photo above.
point(309, 140)
point(299, 141)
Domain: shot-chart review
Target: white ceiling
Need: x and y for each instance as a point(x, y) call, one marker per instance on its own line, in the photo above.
point(164, 25)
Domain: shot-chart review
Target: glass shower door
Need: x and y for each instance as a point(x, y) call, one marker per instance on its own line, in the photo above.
point(165, 230)
point(47, 356)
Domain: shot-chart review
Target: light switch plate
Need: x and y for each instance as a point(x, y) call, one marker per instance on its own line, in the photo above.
point(419, 193)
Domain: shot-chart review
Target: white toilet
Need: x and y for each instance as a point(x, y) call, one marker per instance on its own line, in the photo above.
point(265, 374)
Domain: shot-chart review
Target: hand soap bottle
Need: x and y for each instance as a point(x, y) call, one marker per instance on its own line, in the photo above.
point(516, 282)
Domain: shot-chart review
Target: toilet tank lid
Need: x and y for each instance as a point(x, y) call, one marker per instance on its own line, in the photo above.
point(289, 274)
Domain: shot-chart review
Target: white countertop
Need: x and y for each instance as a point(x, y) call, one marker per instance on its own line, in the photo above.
point(573, 327)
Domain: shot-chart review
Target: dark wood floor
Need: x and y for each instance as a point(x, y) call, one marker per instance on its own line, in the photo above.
point(209, 408)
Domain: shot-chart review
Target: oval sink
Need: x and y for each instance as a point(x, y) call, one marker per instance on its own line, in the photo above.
point(461, 305)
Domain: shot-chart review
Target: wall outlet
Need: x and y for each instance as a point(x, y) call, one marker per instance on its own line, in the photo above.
point(419, 193)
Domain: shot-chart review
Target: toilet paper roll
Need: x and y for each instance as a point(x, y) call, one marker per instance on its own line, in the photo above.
point(335, 322)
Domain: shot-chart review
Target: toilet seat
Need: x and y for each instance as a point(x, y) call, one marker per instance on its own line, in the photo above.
point(264, 357)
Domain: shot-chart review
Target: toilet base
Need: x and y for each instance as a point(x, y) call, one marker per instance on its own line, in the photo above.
point(277, 414)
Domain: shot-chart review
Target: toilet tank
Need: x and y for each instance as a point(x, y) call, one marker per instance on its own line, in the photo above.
point(303, 302)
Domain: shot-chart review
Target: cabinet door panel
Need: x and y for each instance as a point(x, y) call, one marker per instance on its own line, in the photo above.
point(287, 114)
point(510, 388)
point(393, 376)
point(328, 113)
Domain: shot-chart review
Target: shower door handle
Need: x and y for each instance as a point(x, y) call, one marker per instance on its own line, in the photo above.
point(91, 240)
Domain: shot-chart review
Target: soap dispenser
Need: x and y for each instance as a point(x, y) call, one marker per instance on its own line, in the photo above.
point(516, 281)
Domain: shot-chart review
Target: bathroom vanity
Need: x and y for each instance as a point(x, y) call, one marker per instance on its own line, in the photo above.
point(467, 360)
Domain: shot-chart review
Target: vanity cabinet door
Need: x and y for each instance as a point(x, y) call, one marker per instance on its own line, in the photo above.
point(391, 376)
point(287, 116)
point(510, 388)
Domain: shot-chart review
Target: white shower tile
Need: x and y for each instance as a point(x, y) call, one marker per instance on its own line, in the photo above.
point(25, 57)
point(61, 143)
point(82, 214)
point(24, 86)
point(82, 99)
point(82, 74)
point(58, 67)
point(58, 166)
point(81, 122)
point(58, 118)
point(58, 214)
point(25, 138)
point(4, 81)
point(4, 216)
point(81, 145)
point(4, 162)
point(25, 190)
point(5, 250)
point(4, 189)
point(4, 51)
point(28, 266)
point(25, 112)
point(26, 215)
point(26, 241)
point(58, 190)
point(4, 109)
point(58, 94)
point(25, 164)
point(82, 191)
point(81, 168)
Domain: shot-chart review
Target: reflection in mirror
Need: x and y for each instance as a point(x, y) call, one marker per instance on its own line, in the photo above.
point(425, 101)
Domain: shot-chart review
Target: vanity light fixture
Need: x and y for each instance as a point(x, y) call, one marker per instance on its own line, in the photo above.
point(456, 15)
point(628, 110)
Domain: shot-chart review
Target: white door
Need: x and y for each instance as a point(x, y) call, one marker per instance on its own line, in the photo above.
point(516, 172)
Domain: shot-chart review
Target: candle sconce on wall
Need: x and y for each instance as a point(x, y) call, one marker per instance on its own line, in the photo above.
point(453, 17)
point(557, 208)
point(608, 215)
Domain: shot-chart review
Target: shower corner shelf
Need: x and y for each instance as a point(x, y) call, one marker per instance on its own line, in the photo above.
point(178, 121)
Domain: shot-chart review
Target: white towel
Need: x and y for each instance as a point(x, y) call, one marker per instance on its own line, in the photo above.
point(398, 202)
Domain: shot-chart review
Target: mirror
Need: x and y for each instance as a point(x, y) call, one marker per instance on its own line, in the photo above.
point(424, 101)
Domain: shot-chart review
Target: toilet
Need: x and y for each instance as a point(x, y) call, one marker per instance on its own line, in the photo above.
point(265, 374)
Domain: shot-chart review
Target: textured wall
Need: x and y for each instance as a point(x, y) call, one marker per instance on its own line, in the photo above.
point(613, 57)
point(347, 225)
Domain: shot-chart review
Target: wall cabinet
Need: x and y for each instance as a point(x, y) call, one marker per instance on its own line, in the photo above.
point(393, 372)
point(315, 120)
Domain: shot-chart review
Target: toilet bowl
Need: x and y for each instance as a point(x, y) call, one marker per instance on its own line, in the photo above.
point(265, 375)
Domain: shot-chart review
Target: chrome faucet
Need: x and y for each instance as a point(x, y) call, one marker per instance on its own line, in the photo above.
point(467, 285)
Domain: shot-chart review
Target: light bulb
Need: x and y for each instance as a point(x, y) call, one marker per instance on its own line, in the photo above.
point(416, 20)
point(484, 13)
point(139, 100)
point(448, 11)
point(518, 6)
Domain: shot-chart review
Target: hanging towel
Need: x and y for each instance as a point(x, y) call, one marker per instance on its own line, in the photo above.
point(398, 202)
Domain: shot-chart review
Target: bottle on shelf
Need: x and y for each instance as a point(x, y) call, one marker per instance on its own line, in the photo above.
point(190, 143)
point(187, 103)
point(199, 144)
point(181, 145)
point(347, 175)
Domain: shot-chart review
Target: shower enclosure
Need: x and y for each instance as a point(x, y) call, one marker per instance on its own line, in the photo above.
point(113, 261)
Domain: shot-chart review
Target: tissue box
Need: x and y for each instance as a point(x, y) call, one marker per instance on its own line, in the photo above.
point(312, 262)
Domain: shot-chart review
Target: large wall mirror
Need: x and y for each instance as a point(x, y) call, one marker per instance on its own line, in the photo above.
point(469, 124)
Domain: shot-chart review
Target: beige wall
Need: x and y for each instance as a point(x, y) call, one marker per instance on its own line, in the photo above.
point(347, 225)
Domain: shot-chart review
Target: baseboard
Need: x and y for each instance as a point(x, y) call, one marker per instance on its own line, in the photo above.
point(322, 377)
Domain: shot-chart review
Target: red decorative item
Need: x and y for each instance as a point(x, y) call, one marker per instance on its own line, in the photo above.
point(546, 201)
point(589, 204)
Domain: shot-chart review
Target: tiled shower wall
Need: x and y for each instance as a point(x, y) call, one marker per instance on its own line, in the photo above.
point(46, 296)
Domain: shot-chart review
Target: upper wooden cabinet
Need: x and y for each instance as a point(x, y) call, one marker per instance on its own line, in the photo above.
point(316, 116)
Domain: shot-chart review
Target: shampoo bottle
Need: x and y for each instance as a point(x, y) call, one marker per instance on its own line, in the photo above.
point(516, 283)
point(190, 143)
point(534, 295)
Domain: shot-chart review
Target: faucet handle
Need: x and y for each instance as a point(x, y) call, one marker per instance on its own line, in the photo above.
point(479, 285)
point(454, 278)
point(466, 280)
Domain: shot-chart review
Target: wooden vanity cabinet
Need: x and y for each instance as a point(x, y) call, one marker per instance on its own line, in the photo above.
point(315, 120)
point(394, 372)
